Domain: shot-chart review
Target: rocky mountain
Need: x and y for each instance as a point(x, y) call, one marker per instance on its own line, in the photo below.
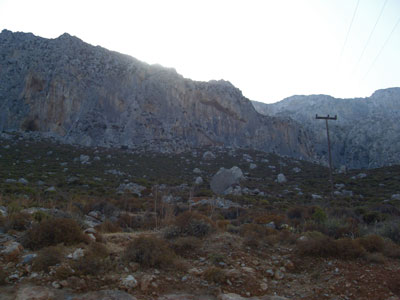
point(365, 135)
point(91, 96)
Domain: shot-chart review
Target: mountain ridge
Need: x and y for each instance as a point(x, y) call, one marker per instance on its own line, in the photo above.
point(91, 96)
point(365, 134)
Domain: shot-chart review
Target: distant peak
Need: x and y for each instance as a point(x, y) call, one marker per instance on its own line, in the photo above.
point(6, 31)
point(67, 36)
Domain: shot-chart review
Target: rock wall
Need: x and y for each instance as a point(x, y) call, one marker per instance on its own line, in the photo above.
point(91, 96)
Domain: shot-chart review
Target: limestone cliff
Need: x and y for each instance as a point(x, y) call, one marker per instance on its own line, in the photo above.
point(91, 96)
point(366, 134)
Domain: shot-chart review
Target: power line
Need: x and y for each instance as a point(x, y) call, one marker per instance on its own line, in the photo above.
point(383, 46)
point(348, 31)
point(370, 35)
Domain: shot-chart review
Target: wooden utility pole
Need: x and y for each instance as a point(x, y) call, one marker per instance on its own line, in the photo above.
point(329, 146)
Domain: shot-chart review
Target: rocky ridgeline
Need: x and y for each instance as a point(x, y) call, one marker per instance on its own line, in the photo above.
point(94, 97)
point(366, 134)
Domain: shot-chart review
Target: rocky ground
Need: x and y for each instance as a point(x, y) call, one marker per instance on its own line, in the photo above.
point(252, 225)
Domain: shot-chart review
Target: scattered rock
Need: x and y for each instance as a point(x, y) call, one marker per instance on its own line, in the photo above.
point(296, 170)
point(28, 258)
point(395, 197)
point(196, 171)
point(3, 211)
point(131, 187)
point(128, 282)
point(78, 253)
point(12, 250)
point(279, 275)
point(198, 181)
point(23, 181)
point(84, 159)
point(50, 189)
point(281, 178)
point(208, 155)
point(252, 166)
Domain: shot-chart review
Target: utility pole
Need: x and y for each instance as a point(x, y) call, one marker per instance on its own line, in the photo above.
point(329, 146)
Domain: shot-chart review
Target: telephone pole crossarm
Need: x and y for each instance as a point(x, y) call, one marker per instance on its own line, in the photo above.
point(326, 118)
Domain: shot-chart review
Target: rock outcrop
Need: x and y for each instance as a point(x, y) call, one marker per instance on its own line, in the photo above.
point(88, 95)
point(365, 135)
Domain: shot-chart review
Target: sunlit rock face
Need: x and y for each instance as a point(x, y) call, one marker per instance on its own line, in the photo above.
point(91, 96)
point(365, 135)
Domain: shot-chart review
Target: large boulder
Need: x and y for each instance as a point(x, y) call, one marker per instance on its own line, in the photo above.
point(225, 178)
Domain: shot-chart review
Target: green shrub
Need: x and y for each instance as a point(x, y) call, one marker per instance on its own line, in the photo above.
point(39, 216)
point(52, 232)
point(46, 258)
point(319, 216)
point(150, 251)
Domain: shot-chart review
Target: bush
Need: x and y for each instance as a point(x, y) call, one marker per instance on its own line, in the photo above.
point(18, 221)
point(297, 213)
point(192, 224)
point(3, 277)
point(94, 261)
point(391, 230)
point(391, 249)
point(215, 274)
point(372, 217)
point(317, 244)
point(46, 258)
point(150, 251)
point(108, 227)
point(52, 232)
point(338, 228)
point(185, 246)
point(376, 258)
point(349, 249)
point(372, 243)
point(253, 235)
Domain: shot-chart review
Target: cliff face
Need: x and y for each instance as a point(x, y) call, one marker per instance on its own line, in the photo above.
point(365, 135)
point(94, 97)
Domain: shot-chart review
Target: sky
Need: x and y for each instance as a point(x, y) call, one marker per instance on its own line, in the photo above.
point(269, 49)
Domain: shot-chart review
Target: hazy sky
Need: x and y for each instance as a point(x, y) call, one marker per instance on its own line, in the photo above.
point(270, 49)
